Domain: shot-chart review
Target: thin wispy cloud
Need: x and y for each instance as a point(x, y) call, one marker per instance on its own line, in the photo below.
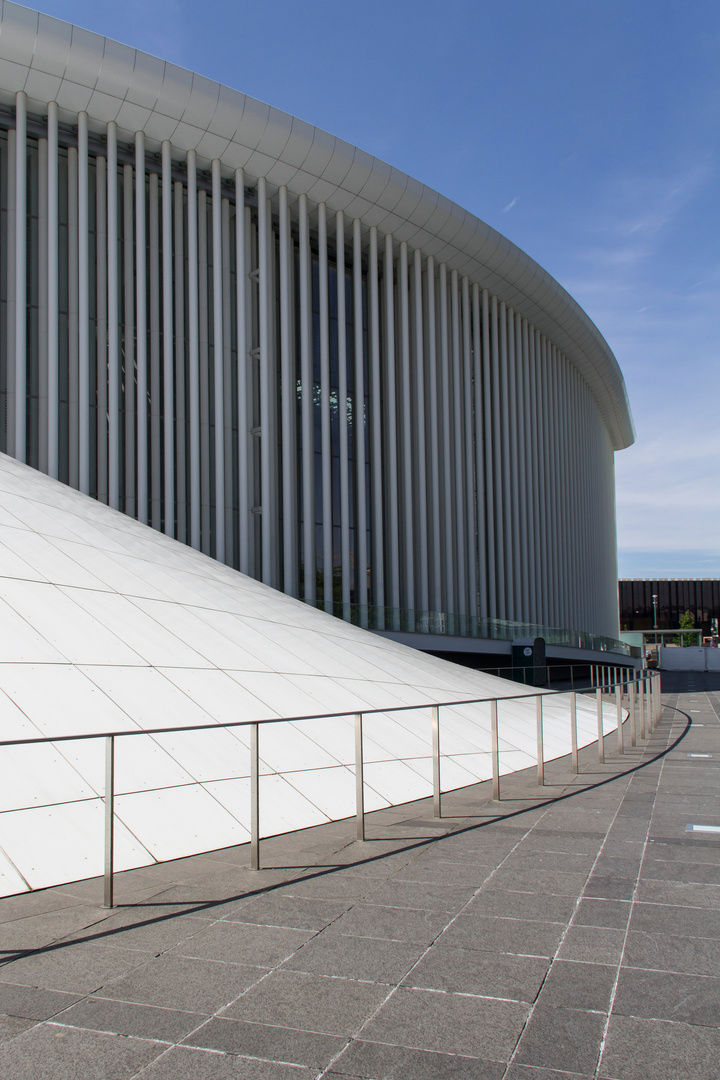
point(510, 205)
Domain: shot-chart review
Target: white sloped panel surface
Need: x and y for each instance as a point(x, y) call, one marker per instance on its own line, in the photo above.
point(133, 631)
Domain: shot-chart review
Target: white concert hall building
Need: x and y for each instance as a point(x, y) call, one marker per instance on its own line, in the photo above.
point(268, 363)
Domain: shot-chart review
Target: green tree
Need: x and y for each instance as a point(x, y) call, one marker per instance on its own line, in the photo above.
point(687, 622)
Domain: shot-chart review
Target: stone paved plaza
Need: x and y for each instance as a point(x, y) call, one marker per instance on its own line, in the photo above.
point(567, 932)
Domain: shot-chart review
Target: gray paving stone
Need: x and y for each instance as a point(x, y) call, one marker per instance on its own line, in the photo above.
point(533, 906)
point(666, 952)
point(75, 968)
point(145, 930)
point(127, 1018)
point(449, 1023)
point(12, 1026)
point(396, 924)
point(33, 1003)
point(371, 1060)
point(182, 1063)
point(51, 1052)
point(564, 1039)
point(330, 1006)
point(468, 971)
point(636, 1049)
point(175, 982)
point(611, 914)
point(690, 999)
point(538, 881)
point(284, 1045)
point(243, 943)
point(608, 887)
point(415, 894)
point(678, 893)
point(579, 986)
point(503, 935)
point(355, 958)
point(299, 913)
point(593, 945)
point(530, 1072)
point(682, 921)
point(675, 870)
point(444, 872)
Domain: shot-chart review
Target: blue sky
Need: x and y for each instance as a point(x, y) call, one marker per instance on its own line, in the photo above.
point(584, 130)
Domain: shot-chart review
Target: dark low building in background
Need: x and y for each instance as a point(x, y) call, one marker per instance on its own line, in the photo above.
point(700, 597)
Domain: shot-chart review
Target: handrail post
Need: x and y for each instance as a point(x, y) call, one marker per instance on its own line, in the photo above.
point(254, 796)
point(572, 678)
point(108, 899)
point(618, 711)
point(641, 696)
point(359, 784)
point(573, 731)
point(633, 714)
point(540, 747)
point(600, 725)
point(437, 792)
point(495, 749)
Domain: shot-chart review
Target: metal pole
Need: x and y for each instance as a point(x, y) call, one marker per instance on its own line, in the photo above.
point(601, 733)
point(437, 794)
point(573, 731)
point(359, 786)
point(109, 819)
point(633, 714)
point(572, 678)
point(618, 710)
point(254, 797)
point(641, 695)
point(495, 750)
point(540, 750)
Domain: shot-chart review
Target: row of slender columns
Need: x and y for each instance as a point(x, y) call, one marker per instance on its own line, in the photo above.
point(460, 455)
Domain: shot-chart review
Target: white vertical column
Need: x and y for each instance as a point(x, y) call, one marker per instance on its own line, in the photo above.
point(267, 493)
point(141, 322)
point(218, 353)
point(154, 363)
point(53, 308)
point(391, 424)
point(9, 441)
point(204, 370)
point(523, 430)
point(113, 328)
point(497, 459)
point(376, 459)
point(72, 339)
point(447, 472)
point(506, 577)
point(242, 377)
point(168, 330)
point(420, 444)
point(545, 554)
point(457, 423)
point(83, 306)
point(229, 439)
point(470, 499)
point(359, 426)
point(288, 403)
point(101, 357)
point(179, 381)
point(479, 453)
point(489, 470)
point(514, 436)
point(42, 288)
point(193, 350)
point(406, 430)
point(127, 356)
point(307, 406)
point(20, 448)
point(342, 413)
point(434, 409)
point(325, 429)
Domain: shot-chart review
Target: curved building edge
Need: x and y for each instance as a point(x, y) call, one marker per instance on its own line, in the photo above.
point(450, 452)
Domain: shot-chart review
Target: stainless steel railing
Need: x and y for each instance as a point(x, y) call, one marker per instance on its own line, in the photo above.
point(642, 690)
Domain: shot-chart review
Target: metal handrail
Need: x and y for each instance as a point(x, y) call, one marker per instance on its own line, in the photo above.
point(644, 684)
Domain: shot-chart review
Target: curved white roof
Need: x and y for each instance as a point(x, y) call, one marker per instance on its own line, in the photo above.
point(107, 625)
point(53, 60)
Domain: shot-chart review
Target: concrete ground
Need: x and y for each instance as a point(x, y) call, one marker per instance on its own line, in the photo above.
point(568, 932)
